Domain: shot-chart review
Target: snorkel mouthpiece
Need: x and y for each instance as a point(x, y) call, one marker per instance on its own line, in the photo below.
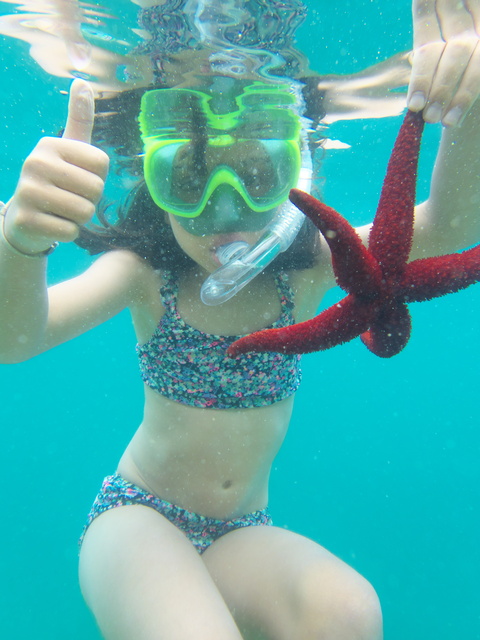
point(229, 252)
point(241, 264)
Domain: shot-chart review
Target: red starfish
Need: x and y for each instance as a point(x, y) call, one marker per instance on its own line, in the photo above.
point(378, 280)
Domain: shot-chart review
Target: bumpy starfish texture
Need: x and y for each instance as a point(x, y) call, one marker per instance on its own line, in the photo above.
point(379, 280)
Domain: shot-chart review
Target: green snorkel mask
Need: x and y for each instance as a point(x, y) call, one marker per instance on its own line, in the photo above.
point(193, 155)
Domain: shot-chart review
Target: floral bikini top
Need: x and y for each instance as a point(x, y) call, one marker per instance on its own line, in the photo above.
point(191, 367)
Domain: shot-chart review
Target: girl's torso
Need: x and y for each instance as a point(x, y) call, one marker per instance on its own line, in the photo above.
point(213, 461)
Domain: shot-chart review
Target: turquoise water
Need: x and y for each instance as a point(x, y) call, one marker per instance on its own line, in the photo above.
point(381, 463)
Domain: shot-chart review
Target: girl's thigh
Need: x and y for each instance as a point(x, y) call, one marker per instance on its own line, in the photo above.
point(143, 580)
point(280, 585)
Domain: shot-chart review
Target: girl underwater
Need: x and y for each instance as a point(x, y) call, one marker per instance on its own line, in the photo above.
point(179, 543)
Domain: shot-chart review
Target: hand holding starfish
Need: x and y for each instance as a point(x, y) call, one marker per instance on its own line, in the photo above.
point(446, 59)
point(379, 280)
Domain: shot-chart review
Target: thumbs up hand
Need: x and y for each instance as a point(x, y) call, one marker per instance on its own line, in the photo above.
point(60, 183)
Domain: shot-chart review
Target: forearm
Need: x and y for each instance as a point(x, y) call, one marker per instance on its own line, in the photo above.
point(453, 208)
point(23, 304)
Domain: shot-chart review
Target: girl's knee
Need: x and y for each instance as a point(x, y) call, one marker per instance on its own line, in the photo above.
point(361, 613)
point(343, 606)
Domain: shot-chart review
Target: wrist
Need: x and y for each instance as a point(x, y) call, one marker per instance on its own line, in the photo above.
point(11, 247)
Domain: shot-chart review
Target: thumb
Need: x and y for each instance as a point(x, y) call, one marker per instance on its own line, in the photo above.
point(81, 111)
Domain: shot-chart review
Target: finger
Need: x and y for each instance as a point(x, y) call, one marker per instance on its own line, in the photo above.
point(455, 19)
point(426, 27)
point(457, 56)
point(473, 6)
point(37, 230)
point(89, 158)
point(424, 66)
point(428, 48)
point(53, 228)
point(81, 111)
point(56, 202)
point(467, 93)
point(65, 176)
point(82, 183)
point(76, 153)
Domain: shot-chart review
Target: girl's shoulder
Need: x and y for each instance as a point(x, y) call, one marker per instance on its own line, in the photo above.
point(127, 271)
point(143, 283)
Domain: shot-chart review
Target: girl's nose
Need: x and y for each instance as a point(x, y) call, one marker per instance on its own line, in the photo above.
point(227, 208)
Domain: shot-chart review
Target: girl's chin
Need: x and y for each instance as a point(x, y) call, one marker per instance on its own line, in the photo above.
point(209, 263)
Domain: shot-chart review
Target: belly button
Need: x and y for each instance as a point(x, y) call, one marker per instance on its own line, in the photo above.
point(227, 484)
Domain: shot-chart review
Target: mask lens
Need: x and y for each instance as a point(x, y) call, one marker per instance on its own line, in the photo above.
point(192, 149)
point(182, 176)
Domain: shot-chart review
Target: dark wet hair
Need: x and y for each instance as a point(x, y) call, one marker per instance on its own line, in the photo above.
point(139, 224)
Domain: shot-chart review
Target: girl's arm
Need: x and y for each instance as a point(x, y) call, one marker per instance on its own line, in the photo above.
point(446, 83)
point(60, 183)
point(450, 219)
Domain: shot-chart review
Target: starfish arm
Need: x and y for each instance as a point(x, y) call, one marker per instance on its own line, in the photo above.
point(390, 331)
point(429, 278)
point(355, 269)
point(339, 323)
point(391, 235)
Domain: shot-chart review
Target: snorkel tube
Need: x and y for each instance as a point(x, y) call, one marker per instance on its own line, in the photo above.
point(241, 263)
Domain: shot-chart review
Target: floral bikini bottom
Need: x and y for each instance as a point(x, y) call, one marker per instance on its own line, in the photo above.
point(199, 529)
